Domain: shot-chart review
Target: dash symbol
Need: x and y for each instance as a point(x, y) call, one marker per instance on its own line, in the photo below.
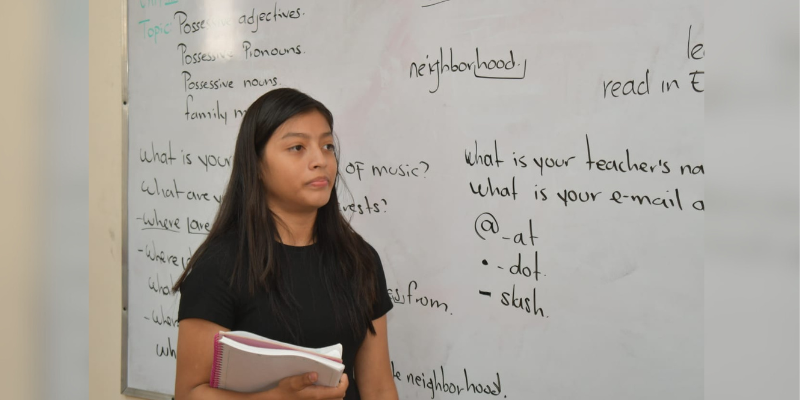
point(485, 293)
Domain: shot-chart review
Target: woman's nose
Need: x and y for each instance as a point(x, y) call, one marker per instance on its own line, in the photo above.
point(318, 158)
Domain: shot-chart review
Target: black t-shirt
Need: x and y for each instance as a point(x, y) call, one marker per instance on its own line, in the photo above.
point(206, 294)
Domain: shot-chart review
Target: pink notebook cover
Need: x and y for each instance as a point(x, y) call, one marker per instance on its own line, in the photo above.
point(216, 365)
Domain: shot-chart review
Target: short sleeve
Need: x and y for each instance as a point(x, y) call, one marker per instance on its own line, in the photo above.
point(383, 303)
point(206, 292)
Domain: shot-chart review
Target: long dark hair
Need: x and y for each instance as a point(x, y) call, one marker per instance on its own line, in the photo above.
point(348, 265)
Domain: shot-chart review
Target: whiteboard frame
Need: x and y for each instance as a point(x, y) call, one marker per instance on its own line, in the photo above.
point(124, 388)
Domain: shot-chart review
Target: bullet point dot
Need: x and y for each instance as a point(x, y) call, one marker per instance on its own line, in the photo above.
point(484, 262)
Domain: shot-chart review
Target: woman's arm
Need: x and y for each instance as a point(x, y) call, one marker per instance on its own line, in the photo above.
point(196, 353)
point(372, 370)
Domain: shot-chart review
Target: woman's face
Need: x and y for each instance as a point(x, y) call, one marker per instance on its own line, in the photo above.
point(299, 164)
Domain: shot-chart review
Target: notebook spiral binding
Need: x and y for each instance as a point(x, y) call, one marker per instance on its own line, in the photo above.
point(216, 366)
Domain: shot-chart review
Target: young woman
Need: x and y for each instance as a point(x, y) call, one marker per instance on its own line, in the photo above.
point(281, 261)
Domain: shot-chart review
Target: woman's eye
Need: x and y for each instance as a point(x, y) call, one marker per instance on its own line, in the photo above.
point(296, 148)
point(330, 147)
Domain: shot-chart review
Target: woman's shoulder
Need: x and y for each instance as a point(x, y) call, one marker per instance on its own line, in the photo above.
point(225, 242)
point(376, 258)
point(219, 254)
point(364, 247)
point(369, 246)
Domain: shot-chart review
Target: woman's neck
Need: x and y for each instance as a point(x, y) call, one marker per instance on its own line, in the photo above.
point(296, 229)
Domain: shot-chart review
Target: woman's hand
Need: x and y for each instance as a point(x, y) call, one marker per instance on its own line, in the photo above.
point(301, 387)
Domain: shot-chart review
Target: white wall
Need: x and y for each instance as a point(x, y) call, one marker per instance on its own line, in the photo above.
point(105, 198)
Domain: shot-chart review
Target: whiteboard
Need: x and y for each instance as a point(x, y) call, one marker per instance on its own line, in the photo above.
point(531, 174)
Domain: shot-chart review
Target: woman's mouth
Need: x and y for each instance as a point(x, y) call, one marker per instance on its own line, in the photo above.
point(319, 182)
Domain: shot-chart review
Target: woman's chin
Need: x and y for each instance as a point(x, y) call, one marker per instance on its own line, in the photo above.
point(318, 202)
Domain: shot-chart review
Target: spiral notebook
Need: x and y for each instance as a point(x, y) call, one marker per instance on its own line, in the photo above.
point(246, 362)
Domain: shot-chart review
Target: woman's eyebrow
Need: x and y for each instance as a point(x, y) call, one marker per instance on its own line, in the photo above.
point(304, 135)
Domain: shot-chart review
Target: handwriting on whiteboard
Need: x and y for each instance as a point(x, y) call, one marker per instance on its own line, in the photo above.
point(479, 67)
